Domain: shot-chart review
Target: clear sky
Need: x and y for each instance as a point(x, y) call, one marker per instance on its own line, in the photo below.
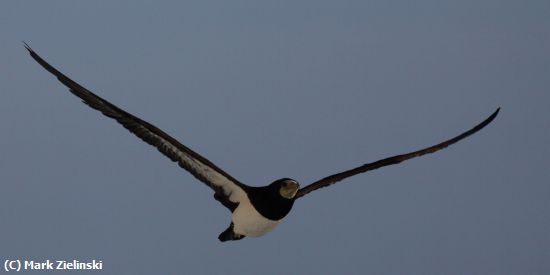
point(266, 90)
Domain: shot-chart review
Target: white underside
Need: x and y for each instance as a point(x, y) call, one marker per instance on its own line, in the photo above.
point(248, 222)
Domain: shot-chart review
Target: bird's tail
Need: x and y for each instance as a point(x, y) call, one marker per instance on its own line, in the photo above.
point(230, 235)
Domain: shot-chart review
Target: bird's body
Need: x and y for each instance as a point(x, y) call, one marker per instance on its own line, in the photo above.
point(247, 221)
point(255, 210)
point(261, 209)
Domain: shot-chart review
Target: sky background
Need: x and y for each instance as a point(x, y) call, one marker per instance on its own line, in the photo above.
point(266, 90)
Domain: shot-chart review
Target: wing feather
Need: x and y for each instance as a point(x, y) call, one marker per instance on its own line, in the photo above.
point(228, 190)
point(391, 160)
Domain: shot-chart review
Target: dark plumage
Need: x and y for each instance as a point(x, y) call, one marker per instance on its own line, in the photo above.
point(255, 210)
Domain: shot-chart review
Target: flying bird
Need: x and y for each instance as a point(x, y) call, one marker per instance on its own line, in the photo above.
point(254, 210)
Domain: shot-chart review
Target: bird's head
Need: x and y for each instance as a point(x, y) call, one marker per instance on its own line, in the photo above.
point(287, 187)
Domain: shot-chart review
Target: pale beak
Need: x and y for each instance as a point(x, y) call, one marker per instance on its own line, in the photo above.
point(289, 189)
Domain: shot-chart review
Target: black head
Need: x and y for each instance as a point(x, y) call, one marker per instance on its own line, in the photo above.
point(274, 201)
point(286, 188)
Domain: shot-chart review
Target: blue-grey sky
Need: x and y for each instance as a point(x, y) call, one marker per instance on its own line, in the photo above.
point(265, 90)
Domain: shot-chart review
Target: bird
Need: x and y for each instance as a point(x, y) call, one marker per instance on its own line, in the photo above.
point(255, 211)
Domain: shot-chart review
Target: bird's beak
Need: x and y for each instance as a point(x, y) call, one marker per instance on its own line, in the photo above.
point(289, 189)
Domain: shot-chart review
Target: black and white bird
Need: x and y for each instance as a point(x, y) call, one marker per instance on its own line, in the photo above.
point(255, 210)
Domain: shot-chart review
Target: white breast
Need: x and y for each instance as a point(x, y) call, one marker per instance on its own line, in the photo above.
point(247, 221)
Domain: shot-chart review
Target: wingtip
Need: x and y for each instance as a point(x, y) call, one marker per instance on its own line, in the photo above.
point(488, 120)
point(496, 112)
point(27, 47)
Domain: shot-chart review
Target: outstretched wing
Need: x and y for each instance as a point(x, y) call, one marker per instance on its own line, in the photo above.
point(391, 160)
point(228, 190)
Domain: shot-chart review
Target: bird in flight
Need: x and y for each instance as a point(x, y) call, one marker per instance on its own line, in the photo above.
point(254, 210)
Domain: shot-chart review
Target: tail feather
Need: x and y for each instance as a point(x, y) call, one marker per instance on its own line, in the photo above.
point(230, 235)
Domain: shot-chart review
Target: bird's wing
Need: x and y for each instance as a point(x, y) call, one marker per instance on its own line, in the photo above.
point(228, 190)
point(391, 160)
